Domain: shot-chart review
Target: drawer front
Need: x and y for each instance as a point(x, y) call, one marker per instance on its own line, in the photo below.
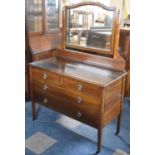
point(78, 86)
point(84, 113)
point(78, 99)
point(45, 76)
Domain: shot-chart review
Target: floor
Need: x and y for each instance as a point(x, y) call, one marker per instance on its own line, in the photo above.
point(55, 134)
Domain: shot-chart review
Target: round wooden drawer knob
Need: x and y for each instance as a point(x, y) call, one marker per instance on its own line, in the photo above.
point(45, 100)
point(79, 100)
point(79, 114)
point(45, 87)
point(45, 76)
point(79, 87)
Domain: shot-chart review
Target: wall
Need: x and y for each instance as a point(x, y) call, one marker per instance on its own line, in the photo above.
point(68, 2)
point(116, 3)
point(123, 6)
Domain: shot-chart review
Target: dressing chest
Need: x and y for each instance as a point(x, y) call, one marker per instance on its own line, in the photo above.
point(84, 86)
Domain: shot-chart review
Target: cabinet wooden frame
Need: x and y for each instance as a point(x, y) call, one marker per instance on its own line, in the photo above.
point(110, 52)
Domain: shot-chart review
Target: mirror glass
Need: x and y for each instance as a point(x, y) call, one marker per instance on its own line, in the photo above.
point(89, 27)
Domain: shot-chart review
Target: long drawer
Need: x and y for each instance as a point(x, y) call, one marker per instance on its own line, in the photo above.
point(66, 95)
point(84, 112)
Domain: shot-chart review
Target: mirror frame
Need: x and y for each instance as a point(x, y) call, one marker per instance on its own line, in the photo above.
point(64, 46)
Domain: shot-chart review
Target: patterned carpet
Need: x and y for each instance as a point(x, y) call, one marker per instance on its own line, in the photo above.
point(55, 134)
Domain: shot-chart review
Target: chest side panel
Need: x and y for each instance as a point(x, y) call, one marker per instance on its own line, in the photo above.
point(112, 101)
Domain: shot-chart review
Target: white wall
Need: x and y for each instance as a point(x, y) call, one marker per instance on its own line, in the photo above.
point(116, 3)
point(67, 2)
point(119, 5)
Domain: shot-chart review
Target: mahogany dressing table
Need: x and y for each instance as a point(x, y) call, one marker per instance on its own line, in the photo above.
point(82, 81)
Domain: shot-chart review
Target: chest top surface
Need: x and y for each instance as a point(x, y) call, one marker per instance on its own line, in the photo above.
point(79, 71)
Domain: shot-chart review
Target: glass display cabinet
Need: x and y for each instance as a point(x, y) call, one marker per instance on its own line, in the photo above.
point(43, 27)
point(42, 16)
point(90, 28)
point(51, 15)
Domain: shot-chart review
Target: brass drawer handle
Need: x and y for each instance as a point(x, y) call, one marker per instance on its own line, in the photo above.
point(45, 100)
point(79, 114)
point(45, 87)
point(45, 76)
point(79, 99)
point(79, 87)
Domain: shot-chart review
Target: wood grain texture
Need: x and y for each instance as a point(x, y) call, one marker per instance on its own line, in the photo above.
point(89, 114)
point(45, 42)
point(94, 60)
point(88, 89)
point(85, 87)
point(66, 94)
point(45, 76)
point(43, 55)
point(90, 94)
point(113, 99)
point(78, 71)
point(44, 46)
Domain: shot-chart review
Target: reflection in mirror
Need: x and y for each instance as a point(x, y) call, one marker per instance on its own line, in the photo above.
point(51, 15)
point(89, 27)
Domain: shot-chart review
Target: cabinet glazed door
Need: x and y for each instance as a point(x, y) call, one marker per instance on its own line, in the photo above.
point(42, 16)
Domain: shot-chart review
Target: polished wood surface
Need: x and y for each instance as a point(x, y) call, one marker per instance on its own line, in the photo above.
point(38, 48)
point(68, 68)
point(94, 60)
point(83, 91)
point(45, 42)
point(81, 85)
point(44, 46)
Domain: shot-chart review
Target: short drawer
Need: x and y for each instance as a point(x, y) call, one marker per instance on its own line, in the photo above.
point(78, 86)
point(45, 76)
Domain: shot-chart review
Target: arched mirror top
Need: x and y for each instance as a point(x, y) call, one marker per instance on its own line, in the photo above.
point(89, 27)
